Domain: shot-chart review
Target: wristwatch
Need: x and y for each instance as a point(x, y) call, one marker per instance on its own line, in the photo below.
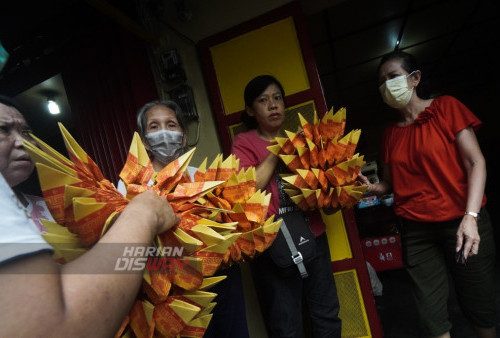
point(476, 215)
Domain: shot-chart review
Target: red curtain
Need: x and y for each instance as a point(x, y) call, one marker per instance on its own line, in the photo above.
point(107, 77)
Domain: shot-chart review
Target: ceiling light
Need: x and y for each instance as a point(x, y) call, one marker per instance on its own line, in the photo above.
point(53, 107)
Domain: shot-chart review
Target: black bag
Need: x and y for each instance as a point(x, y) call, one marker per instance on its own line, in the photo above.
point(303, 240)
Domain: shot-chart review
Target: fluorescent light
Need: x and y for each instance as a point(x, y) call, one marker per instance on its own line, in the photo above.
point(53, 107)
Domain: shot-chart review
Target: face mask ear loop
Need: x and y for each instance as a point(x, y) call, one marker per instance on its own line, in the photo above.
point(411, 75)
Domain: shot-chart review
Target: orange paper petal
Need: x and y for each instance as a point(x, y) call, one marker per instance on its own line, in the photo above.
point(323, 181)
point(330, 175)
point(298, 140)
point(186, 277)
point(346, 200)
point(167, 322)
point(309, 177)
point(292, 162)
point(211, 261)
point(297, 181)
point(313, 154)
point(246, 244)
point(286, 145)
point(138, 321)
point(133, 172)
point(304, 157)
point(307, 128)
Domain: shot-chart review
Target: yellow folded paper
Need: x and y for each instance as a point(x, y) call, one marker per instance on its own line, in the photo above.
point(171, 317)
point(138, 168)
point(207, 234)
point(218, 226)
point(323, 159)
point(51, 159)
point(196, 327)
point(222, 246)
point(209, 282)
point(167, 178)
point(223, 221)
point(190, 243)
point(206, 311)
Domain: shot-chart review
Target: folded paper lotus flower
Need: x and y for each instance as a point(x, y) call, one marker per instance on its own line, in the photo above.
point(322, 162)
point(223, 221)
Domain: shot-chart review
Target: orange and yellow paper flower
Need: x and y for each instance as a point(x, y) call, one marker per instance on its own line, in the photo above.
point(323, 163)
point(223, 221)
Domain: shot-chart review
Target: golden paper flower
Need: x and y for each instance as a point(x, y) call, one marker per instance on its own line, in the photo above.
point(323, 163)
point(223, 221)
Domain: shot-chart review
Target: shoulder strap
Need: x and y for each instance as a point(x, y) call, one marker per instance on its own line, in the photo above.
point(296, 255)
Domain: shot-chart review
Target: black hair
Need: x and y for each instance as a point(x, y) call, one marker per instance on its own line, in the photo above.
point(254, 89)
point(141, 115)
point(10, 102)
point(409, 64)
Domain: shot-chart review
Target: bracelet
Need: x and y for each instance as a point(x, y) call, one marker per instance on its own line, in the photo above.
point(473, 214)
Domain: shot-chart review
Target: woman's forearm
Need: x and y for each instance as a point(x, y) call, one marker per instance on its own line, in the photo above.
point(378, 189)
point(265, 170)
point(475, 166)
point(476, 176)
point(86, 297)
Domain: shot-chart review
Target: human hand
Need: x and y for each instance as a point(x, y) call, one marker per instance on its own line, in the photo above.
point(468, 237)
point(162, 215)
point(363, 179)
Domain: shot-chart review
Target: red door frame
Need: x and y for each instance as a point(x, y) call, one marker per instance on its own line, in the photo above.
point(358, 262)
point(315, 91)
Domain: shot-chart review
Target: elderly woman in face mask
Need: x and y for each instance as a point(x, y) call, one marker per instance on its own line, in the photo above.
point(161, 127)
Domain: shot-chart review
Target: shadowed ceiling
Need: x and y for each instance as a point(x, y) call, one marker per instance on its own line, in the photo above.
point(452, 39)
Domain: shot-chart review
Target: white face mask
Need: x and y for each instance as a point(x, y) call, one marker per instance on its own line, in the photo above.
point(166, 145)
point(395, 92)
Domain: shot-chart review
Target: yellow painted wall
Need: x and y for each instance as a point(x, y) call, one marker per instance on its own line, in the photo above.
point(273, 49)
point(337, 236)
point(294, 79)
point(209, 18)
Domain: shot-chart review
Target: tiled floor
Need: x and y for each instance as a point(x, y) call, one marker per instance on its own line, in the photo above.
point(397, 309)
